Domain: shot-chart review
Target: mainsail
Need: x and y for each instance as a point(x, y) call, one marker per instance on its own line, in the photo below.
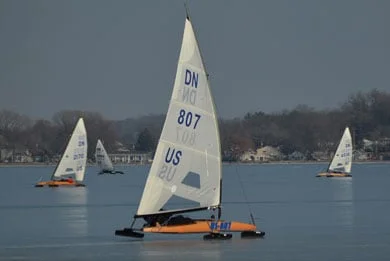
point(74, 159)
point(189, 145)
point(102, 159)
point(342, 160)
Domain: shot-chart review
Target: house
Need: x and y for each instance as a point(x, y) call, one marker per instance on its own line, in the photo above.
point(22, 156)
point(263, 154)
point(360, 155)
point(321, 155)
point(15, 156)
point(296, 155)
point(130, 158)
point(6, 155)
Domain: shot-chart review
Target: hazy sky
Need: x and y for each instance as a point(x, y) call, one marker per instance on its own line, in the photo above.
point(119, 57)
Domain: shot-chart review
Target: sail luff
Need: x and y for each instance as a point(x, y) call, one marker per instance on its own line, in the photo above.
point(213, 107)
point(62, 156)
point(329, 164)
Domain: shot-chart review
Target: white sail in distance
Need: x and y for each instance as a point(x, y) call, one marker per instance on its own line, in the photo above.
point(102, 159)
point(74, 158)
point(342, 160)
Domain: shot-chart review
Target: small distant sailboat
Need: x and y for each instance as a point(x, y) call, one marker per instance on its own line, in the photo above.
point(73, 161)
point(103, 161)
point(341, 164)
point(187, 163)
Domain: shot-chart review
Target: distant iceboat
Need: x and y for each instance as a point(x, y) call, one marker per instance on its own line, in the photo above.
point(341, 164)
point(103, 161)
point(73, 161)
point(187, 162)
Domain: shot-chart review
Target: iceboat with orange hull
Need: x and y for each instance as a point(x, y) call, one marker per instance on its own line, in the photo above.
point(341, 164)
point(334, 175)
point(187, 163)
point(201, 226)
point(73, 161)
point(58, 183)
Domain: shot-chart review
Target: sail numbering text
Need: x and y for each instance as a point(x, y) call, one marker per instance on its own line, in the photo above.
point(187, 121)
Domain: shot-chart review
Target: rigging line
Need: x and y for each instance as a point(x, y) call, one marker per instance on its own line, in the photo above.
point(63, 149)
point(245, 197)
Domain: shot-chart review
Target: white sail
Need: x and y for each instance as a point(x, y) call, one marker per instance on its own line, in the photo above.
point(189, 145)
point(74, 159)
point(102, 159)
point(342, 160)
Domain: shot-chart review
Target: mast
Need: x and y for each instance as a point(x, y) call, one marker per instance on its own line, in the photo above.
point(214, 110)
point(330, 162)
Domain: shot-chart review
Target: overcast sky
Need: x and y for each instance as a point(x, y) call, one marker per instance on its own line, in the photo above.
point(119, 57)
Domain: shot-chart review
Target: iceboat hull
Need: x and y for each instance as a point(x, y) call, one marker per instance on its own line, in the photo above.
point(59, 183)
point(333, 175)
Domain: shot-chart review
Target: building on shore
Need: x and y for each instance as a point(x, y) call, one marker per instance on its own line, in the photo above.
point(263, 154)
point(130, 158)
point(16, 156)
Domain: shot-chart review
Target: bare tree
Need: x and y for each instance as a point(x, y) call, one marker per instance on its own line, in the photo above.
point(12, 124)
point(97, 128)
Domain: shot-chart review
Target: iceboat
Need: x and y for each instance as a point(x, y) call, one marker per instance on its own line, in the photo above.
point(103, 160)
point(187, 162)
point(70, 169)
point(341, 164)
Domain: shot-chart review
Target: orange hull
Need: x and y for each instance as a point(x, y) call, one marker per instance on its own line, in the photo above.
point(333, 175)
point(201, 226)
point(59, 183)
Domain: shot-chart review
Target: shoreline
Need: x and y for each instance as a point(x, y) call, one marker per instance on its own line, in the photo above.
point(39, 164)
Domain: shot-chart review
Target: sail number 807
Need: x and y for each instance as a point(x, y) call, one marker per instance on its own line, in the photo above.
point(188, 118)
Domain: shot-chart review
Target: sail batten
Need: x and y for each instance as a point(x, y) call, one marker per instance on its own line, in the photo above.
point(194, 107)
point(189, 143)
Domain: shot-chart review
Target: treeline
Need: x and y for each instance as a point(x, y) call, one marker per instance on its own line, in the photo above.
point(305, 129)
point(48, 138)
point(302, 129)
